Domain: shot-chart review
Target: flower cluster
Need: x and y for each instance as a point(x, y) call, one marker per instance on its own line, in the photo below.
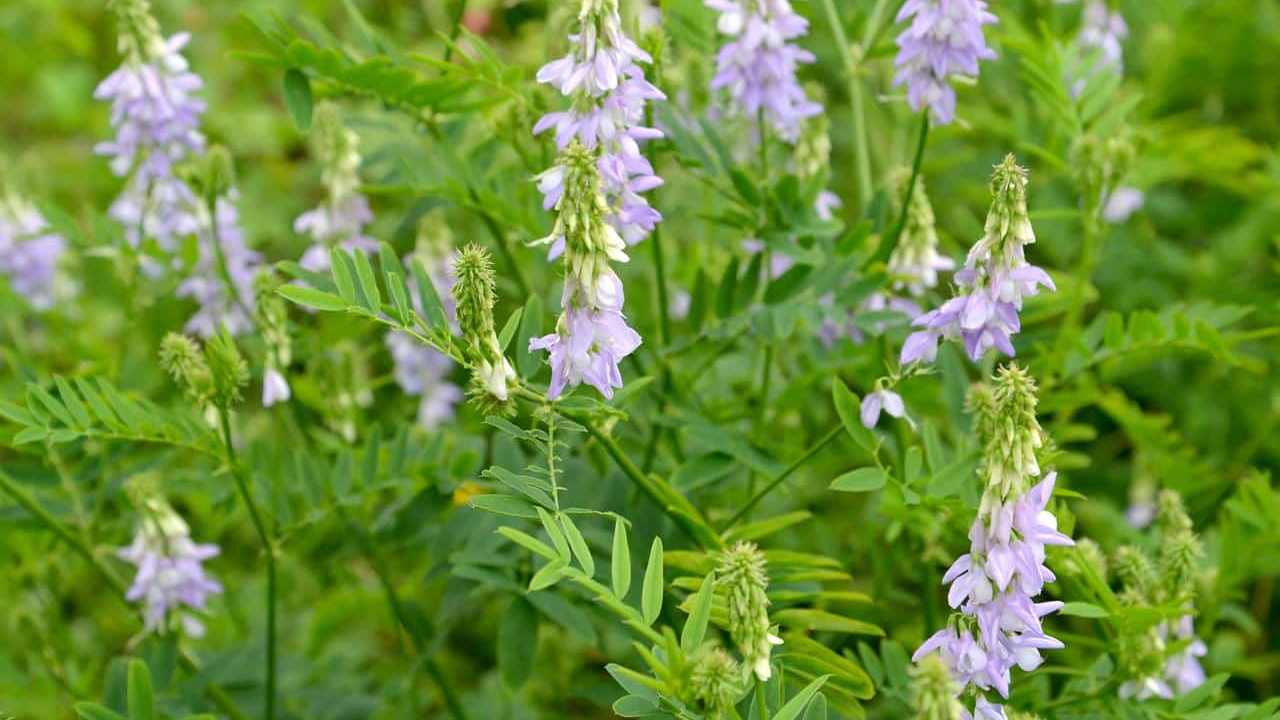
point(222, 281)
point(273, 320)
point(995, 279)
point(341, 219)
point(170, 571)
point(742, 576)
point(994, 585)
point(592, 336)
point(29, 251)
point(758, 66)
point(943, 39)
point(915, 262)
point(603, 75)
point(156, 117)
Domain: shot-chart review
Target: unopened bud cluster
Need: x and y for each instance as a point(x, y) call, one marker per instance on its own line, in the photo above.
point(475, 296)
point(741, 575)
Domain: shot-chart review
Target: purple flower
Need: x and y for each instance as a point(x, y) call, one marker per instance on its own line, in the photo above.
point(841, 322)
point(943, 39)
point(888, 400)
point(1105, 32)
point(1122, 203)
point(587, 346)
point(170, 572)
point(424, 372)
point(29, 251)
point(222, 281)
point(758, 66)
point(827, 204)
point(603, 73)
point(156, 117)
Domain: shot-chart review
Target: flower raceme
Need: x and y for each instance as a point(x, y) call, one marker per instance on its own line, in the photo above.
point(592, 336)
point(758, 65)
point(943, 39)
point(29, 251)
point(991, 286)
point(993, 587)
point(171, 581)
point(602, 74)
point(340, 220)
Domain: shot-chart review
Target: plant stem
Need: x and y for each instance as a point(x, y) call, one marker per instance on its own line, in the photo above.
point(782, 476)
point(118, 586)
point(861, 152)
point(762, 706)
point(455, 28)
point(888, 244)
point(268, 547)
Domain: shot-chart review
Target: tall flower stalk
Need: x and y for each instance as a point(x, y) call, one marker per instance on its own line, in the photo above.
point(341, 218)
point(993, 587)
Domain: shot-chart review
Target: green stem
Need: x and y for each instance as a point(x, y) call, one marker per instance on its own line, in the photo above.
point(269, 701)
point(118, 586)
point(1084, 273)
point(862, 156)
point(762, 705)
point(782, 476)
point(455, 28)
point(888, 244)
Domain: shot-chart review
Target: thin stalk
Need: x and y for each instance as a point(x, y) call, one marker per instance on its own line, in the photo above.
point(762, 706)
point(782, 476)
point(861, 152)
point(268, 547)
point(888, 244)
point(455, 28)
point(118, 586)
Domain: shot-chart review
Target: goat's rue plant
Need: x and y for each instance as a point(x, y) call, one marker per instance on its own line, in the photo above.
point(693, 359)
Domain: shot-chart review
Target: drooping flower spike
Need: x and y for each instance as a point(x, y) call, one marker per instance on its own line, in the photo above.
point(991, 286)
point(171, 582)
point(757, 67)
point(942, 40)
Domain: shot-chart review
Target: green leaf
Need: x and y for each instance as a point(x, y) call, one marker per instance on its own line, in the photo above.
point(766, 527)
point(517, 643)
point(527, 361)
point(503, 505)
point(651, 589)
point(509, 329)
point(727, 289)
point(848, 407)
point(620, 560)
point(141, 697)
point(432, 309)
point(94, 711)
point(549, 575)
point(343, 271)
point(797, 704)
point(1207, 690)
point(297, 97)
point(528, 542)
point(368, 282)
point(1083, 609)
point(699, 300)
point(555, 533)
point(824, 621)
point(71, 399)
point(30, 435)
point(695, 628)
point(866, 479)
point(312, 298)
point(787, 284)
point(579, 545)
point(633, 706)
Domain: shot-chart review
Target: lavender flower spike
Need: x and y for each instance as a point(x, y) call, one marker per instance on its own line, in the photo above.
point(29, 251)
point(944, 39)
point(995, 279)
point(171, 581)
point(341, 219)
point(758, 66)
point(603, 75)
point(156, 117)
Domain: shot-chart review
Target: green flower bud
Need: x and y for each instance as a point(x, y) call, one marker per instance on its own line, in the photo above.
point(337, 147)
point(915, 261)
point(229, 370)
point(813, 151)
point(185, 363)
point(741, 573)
point(1088, 555)
point(935, 694)
point(1008, 225)
point(140, 38)
point(272, 318)
point(475, 295)
point(1013, 434)
point(1135, 571)
point(717, 681)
